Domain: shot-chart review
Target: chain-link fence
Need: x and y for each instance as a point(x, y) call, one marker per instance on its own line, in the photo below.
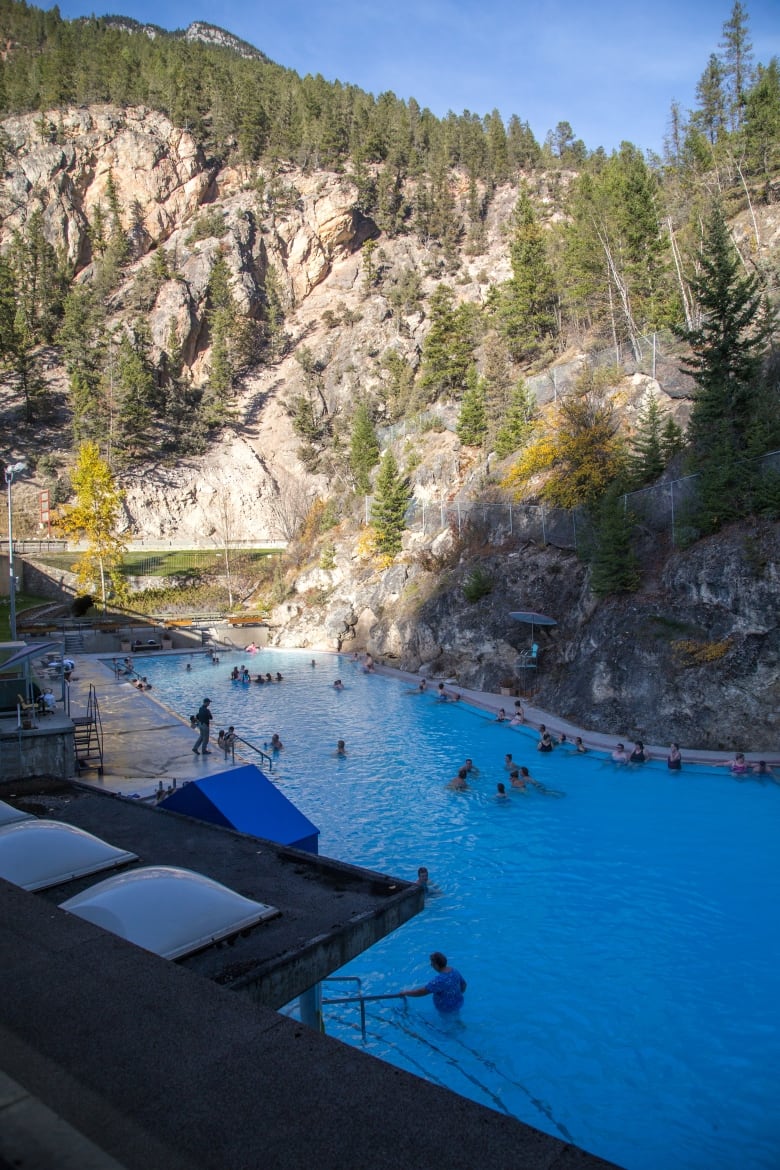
point(661, 508)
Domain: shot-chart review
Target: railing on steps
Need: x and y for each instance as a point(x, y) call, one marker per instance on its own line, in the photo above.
point(88, 735)
point(360, 999)
point(229, 749)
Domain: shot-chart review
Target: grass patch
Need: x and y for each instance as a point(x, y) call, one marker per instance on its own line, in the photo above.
point(23, 601)
point(163, 564)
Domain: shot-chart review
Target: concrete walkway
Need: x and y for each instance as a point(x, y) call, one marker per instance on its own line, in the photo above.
point(146, 743)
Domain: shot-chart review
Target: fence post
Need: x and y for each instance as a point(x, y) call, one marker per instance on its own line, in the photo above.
point(458, 517)
point(544, 531)
point(510, 520)
point(671, 490)
point(574, 528)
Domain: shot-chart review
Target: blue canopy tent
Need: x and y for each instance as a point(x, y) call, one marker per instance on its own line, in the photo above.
point(245, 799)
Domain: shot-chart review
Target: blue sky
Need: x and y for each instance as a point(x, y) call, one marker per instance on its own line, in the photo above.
point(609, 67)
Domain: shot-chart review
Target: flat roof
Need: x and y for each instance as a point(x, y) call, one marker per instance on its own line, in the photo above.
point(330, 911)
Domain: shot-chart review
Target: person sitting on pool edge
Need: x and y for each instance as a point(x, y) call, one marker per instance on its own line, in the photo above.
point(447, 986)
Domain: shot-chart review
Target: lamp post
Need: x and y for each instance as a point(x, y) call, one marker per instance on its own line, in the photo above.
point(10, 472)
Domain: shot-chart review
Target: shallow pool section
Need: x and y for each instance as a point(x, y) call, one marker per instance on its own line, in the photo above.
point(620, 941)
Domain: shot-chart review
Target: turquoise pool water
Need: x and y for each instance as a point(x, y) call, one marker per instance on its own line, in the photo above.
point(620, 942)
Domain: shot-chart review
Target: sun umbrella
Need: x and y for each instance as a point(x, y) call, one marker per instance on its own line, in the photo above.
point(531, 618)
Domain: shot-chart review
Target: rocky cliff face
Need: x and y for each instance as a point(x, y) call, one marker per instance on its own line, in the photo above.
point(304, 227)
point(693, 658)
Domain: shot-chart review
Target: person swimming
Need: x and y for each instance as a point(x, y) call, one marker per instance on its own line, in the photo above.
point(458, 782)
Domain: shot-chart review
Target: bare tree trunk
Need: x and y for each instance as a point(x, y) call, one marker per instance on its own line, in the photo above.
point(622, 290)
point(684, 295)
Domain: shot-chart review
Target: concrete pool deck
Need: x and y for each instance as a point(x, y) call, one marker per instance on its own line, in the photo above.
point(146, 743)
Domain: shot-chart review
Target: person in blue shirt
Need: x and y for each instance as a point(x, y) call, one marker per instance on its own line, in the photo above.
point(446, 987)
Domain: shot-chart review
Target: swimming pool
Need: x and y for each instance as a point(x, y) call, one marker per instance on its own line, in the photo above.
point(620, 943)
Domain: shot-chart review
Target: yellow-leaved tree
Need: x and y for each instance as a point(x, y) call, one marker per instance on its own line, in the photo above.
point(578, 447)
point(95, 518)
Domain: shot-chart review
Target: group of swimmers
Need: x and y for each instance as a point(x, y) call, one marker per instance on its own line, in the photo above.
point(242, 675)
point(442, 694)
point(520, 779)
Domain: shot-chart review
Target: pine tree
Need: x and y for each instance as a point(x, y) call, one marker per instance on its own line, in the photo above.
point(762, 122)
point(526, 308)
point(448, 347)
point(388, 509)
point(363, 449)
point(727, 350)
point(17, 352)
point(614, 565)
point(82, 336)
point(518, 421)
point(40, 280)
point(472, 427)
point(134, 392)
point(224, 328)
point(737, 58)
point(95, 517)
point(646, 457)
point(710, 117)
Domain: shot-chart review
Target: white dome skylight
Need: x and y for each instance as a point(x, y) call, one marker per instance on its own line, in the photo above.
point(9, 814)
point(36, 854)
point(169, 911)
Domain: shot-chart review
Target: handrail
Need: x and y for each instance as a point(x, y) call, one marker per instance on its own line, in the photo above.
point(263, 755)
point(361, 999)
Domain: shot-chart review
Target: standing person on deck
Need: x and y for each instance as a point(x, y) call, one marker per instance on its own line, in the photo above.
point(203, 720)
point(447, 986)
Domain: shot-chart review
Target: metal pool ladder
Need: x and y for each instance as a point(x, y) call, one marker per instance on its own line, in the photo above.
point(360, 999)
